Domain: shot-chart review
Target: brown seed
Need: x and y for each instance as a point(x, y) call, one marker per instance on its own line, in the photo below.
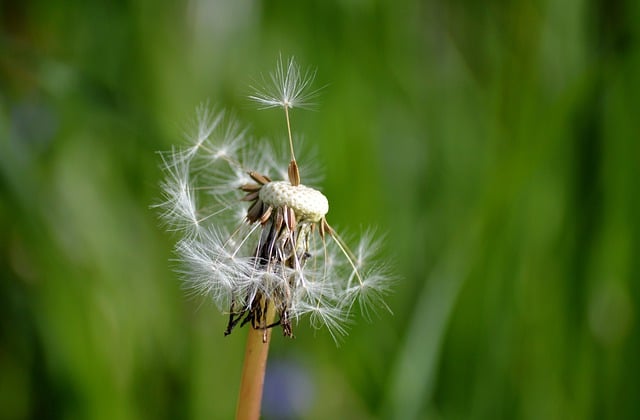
point(265, 215)
point(294, 173)
point(250, 187)
point(255, 211)
point(261, 179)
point(251, 196)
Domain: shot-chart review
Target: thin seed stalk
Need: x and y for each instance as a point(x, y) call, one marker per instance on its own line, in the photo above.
point(294, 174)
point(253, 370)
point(286, 114)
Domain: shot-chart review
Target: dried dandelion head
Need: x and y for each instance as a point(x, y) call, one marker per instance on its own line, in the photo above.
point(257, 245)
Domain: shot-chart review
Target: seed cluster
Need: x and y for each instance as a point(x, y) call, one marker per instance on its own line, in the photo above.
point(307, 204)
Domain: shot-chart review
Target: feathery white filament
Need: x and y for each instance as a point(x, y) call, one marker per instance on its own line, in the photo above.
point(287, 87)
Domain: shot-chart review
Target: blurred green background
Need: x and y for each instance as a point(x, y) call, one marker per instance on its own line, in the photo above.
point(496, 143)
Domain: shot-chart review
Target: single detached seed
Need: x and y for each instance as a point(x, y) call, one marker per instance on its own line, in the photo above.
point(307, 204)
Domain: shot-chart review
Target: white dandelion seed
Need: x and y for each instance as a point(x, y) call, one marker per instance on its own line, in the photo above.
point(287, 87)
point(179, 206)
point(256, 244)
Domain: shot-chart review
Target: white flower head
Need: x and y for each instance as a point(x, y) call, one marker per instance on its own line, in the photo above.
point(260, 247)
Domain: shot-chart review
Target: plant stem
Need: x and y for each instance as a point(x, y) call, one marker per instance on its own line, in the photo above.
point(255, 363)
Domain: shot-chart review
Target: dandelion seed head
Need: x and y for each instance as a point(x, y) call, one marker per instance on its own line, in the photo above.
point(253, 236)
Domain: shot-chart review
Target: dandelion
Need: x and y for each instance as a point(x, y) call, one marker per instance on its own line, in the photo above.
point(262, 247)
